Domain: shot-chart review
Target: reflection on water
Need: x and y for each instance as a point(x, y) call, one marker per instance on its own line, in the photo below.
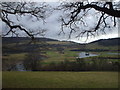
point(84, 55)
point(20, 67)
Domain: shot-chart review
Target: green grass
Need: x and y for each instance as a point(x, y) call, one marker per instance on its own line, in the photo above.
point(54, 56)
point(60, 79)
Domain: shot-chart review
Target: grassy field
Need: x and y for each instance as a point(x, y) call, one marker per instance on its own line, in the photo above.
point(57, 57)
point(60, 79)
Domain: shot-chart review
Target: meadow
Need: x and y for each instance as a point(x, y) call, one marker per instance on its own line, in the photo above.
point(60, 79)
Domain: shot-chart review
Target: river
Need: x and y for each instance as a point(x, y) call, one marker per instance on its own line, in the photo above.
point(84, 55)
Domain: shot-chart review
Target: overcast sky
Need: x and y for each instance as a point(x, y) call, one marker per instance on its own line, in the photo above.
point(52, 26)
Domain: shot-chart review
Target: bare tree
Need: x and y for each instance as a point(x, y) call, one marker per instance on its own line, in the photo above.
point(11, 12)
point(76, 16)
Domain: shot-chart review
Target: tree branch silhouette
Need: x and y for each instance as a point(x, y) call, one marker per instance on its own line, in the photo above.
point(21, 9)
point(76, 12)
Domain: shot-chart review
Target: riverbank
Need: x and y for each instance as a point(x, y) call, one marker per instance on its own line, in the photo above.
point(54, 79)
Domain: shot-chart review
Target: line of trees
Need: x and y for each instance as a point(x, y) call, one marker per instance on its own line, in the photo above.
point(95, 64)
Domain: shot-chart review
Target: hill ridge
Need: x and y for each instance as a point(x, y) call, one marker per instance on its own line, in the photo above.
point(104, 42)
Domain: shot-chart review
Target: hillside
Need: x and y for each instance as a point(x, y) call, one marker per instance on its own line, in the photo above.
point(107, 42)
point(23, 43)
point(23, 39)
point(103, 42)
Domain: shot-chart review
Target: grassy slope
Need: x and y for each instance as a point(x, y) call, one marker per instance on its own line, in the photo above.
point(60, 79)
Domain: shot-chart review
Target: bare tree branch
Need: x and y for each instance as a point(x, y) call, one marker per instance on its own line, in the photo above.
point(77, 12)
point(21, 9)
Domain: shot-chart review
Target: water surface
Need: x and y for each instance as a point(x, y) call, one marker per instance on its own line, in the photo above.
point(84, 55)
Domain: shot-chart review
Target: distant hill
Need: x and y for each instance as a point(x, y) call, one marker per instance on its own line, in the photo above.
point(22, 44)
point(107, 42)
point(23, 39)
point(103, 42)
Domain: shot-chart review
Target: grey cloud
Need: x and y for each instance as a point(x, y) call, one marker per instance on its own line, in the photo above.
point(53, 25)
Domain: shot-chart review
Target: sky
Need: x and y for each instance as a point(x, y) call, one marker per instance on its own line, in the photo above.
point(53, 25)
point(58, 0)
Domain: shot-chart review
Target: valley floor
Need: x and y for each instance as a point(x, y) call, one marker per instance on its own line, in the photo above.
point(45, 79)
